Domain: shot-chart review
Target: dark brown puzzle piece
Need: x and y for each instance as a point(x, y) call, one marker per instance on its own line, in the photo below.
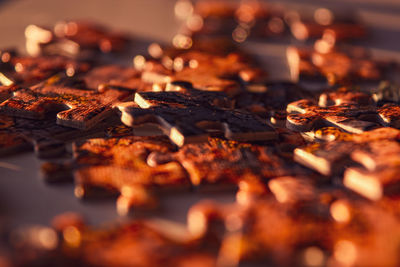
point(269, 100)
point(182, 121)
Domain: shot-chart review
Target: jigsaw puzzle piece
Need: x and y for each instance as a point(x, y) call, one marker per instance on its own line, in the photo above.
point(10, 141)
point(205, 70)
point(330, 158)
point(116, 76)
point(336, 65)
point(119, 165)
point(26, 70)
point(81, 108)
point(269, 100)
point(75, 39)
point(344, 108)
point(185, 124)
point(219, 163)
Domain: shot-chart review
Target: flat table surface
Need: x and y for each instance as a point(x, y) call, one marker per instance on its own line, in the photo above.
point(26, 199)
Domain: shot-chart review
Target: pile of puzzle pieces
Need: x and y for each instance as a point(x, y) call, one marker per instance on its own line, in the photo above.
point(316, 173)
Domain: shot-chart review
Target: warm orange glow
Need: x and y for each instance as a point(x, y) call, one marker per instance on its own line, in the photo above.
point(314, 257)
point(72, 236)
point(345, 252)
point(323, 16)
point(197, 223)
point(340, 211)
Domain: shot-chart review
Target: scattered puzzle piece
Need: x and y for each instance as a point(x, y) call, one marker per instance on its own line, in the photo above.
point(82, 108)
point(116, 76)
point(27, 71)
point(219, 163)
point(183, 122)
point(119, 164)
point(206, 71)
point(76, 39)
point(269, 100)
point(376, 151)
point(348, 110)
point(11, 142)
point(335, 66)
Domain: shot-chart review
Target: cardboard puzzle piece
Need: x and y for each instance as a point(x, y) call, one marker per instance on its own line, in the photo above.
point(119, 165)
point(50, 140)
point(376, 151)
point(386, 92)
point(218, 163)
point(116, 76)
point(26, 70)
point(81, 108)
point(185, 122)
point(330, 157)
point(182, 94)
point(135, 167)
point(345, 109)
point(75, 39)
point(269, 100)
point(379, 174)
point(337, 65)
point(11, 142)
point(206, 71)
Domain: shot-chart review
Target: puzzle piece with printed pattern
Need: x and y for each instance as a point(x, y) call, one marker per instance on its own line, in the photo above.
point(374, 151)
point(183, 121)
point(351, 111)
point(341, 65)
point(75, 39)
point(116, 76)
point(218, 163)
point(81, 108)
point(269, 100)
point(119, 165)
point(26, 70)
point(206, 71)
point(10, 141)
